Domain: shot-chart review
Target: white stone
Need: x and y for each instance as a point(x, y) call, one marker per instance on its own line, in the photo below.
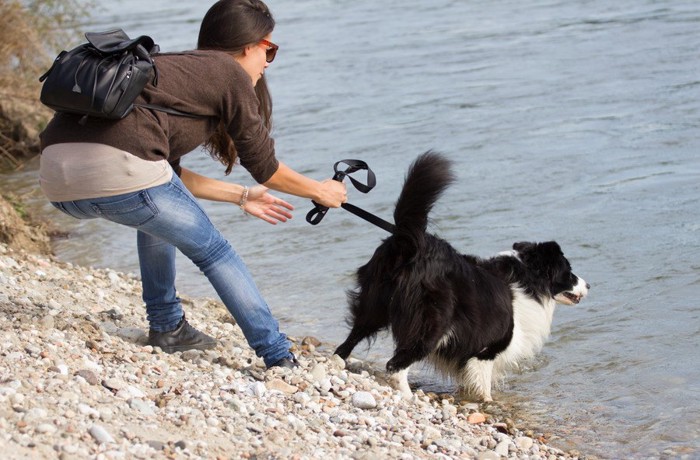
point(142, 406)
point(502, 448)
point(318, 373)
point(100, 434)
point(258, 389)
point(430, 435)
point(87, 410)
point(364, 400)
point(62, 368)
point(524, 442)
point(46, 428)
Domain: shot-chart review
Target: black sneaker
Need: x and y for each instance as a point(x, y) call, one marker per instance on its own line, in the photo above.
point(288, 363)
point(183, 338)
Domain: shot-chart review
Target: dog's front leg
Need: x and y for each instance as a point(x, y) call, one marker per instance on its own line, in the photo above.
point(399, 381)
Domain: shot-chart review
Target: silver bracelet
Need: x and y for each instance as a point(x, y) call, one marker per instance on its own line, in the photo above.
point(244, 198)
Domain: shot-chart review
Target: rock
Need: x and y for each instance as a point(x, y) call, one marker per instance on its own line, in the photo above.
point(363, 400)
point(62, 369)
point(213, 422)
point(89, 376)
point(258, 389)
point(141, 406)
point(524, 443)
point(338, 362)
point(308, 340)
point(191, 355)
point(35, 414)
point(281, 385)
point(47, 322)
point(318, 373)
point(132, 334)
point(100, 434)
point(448, 411)
point(430, 435)
point(113, 384)
point(476, 418)
point(488, 455)
point(87, 410)
point(46, 428)
point(156, 445)
point(502, 448)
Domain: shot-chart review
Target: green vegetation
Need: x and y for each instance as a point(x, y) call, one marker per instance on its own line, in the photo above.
point(17, 205)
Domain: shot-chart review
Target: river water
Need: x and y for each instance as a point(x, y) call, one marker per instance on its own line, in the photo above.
point(569, 120)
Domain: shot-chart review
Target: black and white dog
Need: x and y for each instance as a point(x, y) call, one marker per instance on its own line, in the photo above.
point(472, 318)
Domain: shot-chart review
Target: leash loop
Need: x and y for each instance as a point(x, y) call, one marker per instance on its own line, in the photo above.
point(316, 215)
point(352, 166)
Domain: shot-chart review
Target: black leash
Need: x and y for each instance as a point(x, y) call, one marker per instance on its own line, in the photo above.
point(319, 211)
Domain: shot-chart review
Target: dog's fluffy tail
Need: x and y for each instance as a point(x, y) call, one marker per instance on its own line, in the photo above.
point(428, 176)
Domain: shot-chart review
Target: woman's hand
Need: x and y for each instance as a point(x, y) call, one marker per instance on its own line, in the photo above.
point(332, 193)
point(267, 207)
point(329, 193)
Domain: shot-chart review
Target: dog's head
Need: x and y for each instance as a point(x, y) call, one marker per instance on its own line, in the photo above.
point(547, 263)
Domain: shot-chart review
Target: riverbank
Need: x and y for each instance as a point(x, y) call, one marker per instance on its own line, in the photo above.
point(77, 381)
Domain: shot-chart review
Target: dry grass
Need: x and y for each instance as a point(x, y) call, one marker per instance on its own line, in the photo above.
point(31, 34)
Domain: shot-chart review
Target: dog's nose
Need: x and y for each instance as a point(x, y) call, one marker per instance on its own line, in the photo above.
point(588, 286)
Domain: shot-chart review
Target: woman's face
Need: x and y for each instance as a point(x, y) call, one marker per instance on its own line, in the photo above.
point(253, 60)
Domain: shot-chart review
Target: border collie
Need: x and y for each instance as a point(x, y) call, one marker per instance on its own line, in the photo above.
point(472, 318)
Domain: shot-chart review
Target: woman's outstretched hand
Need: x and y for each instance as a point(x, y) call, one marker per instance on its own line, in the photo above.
point(267, 207)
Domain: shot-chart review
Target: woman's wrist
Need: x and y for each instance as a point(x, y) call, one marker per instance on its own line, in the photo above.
point(244, 198)
point(286, 180)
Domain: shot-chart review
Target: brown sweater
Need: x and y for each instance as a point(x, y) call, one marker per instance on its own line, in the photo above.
point(209, 83)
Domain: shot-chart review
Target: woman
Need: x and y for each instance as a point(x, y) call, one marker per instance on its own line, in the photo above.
point(128, 171)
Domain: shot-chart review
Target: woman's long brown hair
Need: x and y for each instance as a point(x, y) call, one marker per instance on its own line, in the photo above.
point(231, 25)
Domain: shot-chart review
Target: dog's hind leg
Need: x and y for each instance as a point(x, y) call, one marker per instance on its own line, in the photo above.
point(477, 377)
point(404, 357)
point(368, 316)
point(410, 350)
point(357, 335)
point(417, 333)
point(364, 326)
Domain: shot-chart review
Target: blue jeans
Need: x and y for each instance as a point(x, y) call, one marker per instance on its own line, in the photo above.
point(168, 217)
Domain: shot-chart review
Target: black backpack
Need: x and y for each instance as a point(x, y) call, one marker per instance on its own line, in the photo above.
point(103, 77)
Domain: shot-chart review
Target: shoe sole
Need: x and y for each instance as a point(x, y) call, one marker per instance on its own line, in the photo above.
point(176, 348)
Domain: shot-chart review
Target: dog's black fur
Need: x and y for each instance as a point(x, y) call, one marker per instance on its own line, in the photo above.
point(449, 307)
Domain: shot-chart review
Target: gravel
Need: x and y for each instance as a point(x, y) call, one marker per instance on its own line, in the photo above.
point(77, 380)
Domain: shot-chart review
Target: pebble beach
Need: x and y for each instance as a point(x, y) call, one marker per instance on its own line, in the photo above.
point(78, 381)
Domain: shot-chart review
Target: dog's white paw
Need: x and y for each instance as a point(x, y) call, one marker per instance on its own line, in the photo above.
point(399, 381)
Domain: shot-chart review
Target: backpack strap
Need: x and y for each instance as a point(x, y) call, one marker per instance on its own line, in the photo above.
point(116, 41)
point(169, 110)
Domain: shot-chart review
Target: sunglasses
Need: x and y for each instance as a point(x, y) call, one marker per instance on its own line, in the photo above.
point(270, 50)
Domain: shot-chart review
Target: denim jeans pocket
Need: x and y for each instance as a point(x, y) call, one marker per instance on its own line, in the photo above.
point(132, 210)
point(70, 209)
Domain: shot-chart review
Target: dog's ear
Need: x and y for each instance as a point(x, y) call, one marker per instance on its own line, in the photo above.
point(523, 246)
point(550, 248)
point(541, 258)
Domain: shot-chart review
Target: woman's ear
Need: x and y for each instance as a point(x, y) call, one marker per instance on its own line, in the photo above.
point(241, 55)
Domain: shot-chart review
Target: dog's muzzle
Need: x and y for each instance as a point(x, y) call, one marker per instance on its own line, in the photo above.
point(574, 296)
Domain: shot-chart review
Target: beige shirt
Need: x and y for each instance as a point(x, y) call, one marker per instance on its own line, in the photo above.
point(77, 171)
